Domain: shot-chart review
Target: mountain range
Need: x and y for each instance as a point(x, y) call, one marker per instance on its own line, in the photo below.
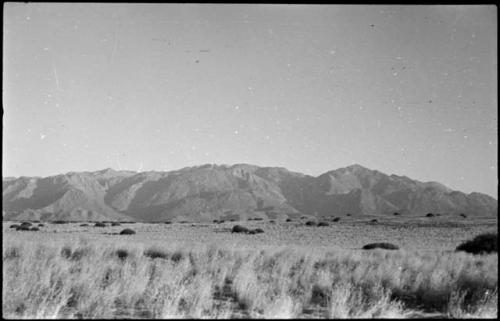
point(241, 191)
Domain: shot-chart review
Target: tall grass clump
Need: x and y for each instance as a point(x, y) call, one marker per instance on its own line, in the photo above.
point(122, 279)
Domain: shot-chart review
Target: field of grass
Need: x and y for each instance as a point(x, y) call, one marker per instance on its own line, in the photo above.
point(204, 271)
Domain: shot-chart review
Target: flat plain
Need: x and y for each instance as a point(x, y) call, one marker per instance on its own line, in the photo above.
point(291, 270)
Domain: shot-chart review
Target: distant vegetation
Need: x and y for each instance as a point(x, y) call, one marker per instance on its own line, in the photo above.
point(481, 244)
point(127, 231)
point(385, 246)
point(99, 224)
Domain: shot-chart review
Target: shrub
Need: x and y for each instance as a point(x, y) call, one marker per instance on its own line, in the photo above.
point(168, 222)
point(99, 224)
point(258, 230)
point(22, 228)
point(122, 254)
point(215, 221)
point(239, 229)
point(323, 224)
point(155, 253)
point(14, 226)
point(115, 224)
point(288, 219)
point(481, 244)
point(348, 214)
point(396, 214)
point(41, 225)
point(34, 229)
point(374, 220)
point(463, 215)
point(385, 246)
point(26, 224)
point(84, 224)
point(59, 222)
point(258, 219)
point(429, 215)
point(127, 231)
point(252, 232)
point(336, 219)
point(311, 223)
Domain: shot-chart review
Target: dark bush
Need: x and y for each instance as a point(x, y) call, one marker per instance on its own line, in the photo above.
point(34, 229)
point(374, 220)
point(40, 225)
point(26, 224)
point(183, 222)
point(336, 219)
point(66, 252)
point(23, 228)
point(272, 221)
point(257, 219)
point(258, 230)
point(288, 219)
point(463, 215)
point(115, 224)
point(99, 224)
point(252, 232)
point(385, 246)
point(233, 220)
point(348, 214)
point(176, 257)
point(323, 224)
point(59, 222)
point(311, 223)
point(14, 226)
point(396, 214)
point(127, 231)
point(429, 215)
point(168, 222)
point(122, 254)
point(481, 244)
point(215, 221)
point(154, 253)
point(239, 229)
point(84, 224)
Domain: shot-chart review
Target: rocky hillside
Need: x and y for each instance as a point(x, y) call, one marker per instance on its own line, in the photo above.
point(208, 192)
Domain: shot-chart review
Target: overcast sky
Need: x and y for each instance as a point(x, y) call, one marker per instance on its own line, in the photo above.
point(407, 90)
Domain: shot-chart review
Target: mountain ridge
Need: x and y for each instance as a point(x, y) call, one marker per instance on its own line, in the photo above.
point(210, 191)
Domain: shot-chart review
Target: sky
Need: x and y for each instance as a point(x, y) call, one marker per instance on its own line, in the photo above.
point(406, 90)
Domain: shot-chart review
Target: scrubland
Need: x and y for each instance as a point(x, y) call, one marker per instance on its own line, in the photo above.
point(48, 276)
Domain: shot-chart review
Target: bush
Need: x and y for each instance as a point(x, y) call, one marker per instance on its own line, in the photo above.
point(168, 222)
point(336, 219)
point(215, 221)
point(396, 214)
point(272, 221)
point(311, 223)
point(463, 215)
point(122, 254)
point(40, 225)
point(127, 231)
point(374, 220)
point(481, 244)
point(22, 228)
point(99, 224)
point(14, 226)
point(429, 215)
point(59, 222)
point(288, 219)
point(26, 224)
point(258, 230)
point(115, 224)
point(34, 229)
point(385, 246)
point(154, 253)
point(221, 221)
point(348, 214)
point(239, 229)
point(84, 224)
point(323, 224)
point(251, 232)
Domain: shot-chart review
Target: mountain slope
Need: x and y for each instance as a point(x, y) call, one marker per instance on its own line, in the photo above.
point(207, 192)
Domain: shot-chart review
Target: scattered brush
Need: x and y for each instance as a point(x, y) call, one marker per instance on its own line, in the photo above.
point(41, 225)
point(481, 244)
point(122, 254)
point(84, 224)
point(336, 219)
point(429, 215)
point(99, 224)
point(127, 231)
point(22, 228)
point(14, 226)
point(463, 215)
point(311, 223)
point(288, 220)
point(115, 224)
point(239, 229)
point(258, 231)
point(34, 229)
point(396, 214)
point(374, 221)
point(385, 246)
point(168, 222)
point(155, 253)
point(323, 224)
point(26, 224)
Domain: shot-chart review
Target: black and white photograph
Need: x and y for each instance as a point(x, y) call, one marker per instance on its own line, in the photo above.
point(249, 161)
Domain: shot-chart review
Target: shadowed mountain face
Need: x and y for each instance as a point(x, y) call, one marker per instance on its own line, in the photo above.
point(208, 192)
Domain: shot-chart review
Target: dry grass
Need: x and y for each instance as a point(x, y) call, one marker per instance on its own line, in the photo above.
point(113, 279)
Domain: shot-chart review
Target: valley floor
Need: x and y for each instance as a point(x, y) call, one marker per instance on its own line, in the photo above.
point(289, 271)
